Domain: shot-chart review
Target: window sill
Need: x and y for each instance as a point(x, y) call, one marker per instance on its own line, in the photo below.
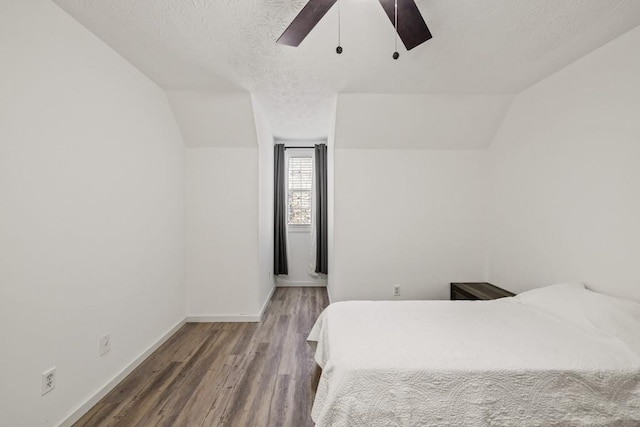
point(299, 228)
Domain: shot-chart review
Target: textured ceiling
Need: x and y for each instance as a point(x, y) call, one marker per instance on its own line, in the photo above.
point(479, 47)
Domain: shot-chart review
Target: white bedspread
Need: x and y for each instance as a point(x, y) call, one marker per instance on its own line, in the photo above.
point(467, 363)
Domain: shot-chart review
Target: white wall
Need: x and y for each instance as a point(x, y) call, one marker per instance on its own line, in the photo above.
point(566, 177)
point(298, 247)
point(410, 217)
point(265, 208)
point(229, 251)
point(91, 212)
point(331, 138)
point(222, 252)
point(214, 119)
point(419, 121)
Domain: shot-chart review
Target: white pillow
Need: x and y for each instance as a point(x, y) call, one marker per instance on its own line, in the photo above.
point(560, 301)
point(551, 294)
point(573, 303)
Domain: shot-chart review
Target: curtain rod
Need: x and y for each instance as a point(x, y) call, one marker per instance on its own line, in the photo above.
point(297, 146)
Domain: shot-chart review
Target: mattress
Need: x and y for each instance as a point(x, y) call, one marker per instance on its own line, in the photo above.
point(504, 362)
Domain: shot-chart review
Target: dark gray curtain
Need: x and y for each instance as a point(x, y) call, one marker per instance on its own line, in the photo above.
point(321, 209)
point(280, 265)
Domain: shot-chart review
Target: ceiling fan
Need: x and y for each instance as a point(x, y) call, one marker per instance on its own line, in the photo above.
point(406, 19)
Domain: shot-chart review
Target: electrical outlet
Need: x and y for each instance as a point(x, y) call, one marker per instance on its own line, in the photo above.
point(48, 380)
point(396, 290)
point(105, 344)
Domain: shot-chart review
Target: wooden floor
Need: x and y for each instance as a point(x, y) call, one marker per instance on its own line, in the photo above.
point(225, 374)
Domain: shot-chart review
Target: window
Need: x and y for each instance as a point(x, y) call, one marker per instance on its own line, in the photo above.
point(300, 180)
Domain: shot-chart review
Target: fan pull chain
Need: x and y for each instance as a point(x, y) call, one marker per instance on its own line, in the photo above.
point(396, 55)
point(339, 48)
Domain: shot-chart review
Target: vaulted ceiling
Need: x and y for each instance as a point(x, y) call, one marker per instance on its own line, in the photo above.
point(478, 47)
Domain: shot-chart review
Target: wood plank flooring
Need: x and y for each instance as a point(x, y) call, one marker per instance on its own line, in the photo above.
point(225, 374)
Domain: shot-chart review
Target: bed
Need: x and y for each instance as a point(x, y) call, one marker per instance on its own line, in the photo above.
point(559, 355)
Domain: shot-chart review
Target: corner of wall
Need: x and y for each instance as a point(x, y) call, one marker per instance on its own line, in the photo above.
point(501, 121)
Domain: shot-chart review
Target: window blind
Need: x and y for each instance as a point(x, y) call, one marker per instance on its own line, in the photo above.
point(300, 173)
point(299, 183)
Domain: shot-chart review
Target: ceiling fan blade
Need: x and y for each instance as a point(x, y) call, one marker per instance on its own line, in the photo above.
point(412, 29)
point(309, 16)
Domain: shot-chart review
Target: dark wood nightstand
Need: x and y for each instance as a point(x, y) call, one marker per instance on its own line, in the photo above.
point(477, 291)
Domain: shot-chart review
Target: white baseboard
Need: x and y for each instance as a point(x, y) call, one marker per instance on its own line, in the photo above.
point(224, 318)
point(292, 284)
point(102, 392)
point(205, 318)
point(266, 303)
